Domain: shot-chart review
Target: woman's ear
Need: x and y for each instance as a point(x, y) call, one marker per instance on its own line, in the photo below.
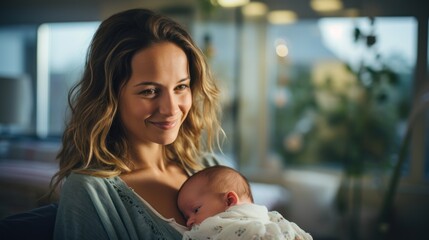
point(231, 198)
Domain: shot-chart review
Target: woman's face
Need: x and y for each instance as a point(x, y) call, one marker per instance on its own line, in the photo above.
point(156, 100)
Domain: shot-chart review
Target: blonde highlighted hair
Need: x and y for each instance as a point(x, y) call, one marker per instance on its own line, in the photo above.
point(93, 141)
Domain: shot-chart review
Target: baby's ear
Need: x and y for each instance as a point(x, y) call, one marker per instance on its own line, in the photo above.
point(231, 198)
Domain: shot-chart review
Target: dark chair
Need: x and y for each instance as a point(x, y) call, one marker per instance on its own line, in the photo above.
point(35, 224)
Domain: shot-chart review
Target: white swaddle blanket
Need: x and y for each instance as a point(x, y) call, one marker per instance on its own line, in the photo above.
point(247, 221)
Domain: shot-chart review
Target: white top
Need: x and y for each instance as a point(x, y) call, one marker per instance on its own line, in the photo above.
point(247, 221)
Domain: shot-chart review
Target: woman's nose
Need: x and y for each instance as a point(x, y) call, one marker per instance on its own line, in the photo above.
point(169, 104)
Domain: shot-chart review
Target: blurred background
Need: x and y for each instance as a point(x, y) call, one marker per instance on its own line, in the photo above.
point(324, 102)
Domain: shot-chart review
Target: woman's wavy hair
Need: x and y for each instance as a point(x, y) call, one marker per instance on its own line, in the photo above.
point(94, 141)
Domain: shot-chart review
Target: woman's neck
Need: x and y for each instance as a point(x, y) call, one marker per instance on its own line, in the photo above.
point(148, 157)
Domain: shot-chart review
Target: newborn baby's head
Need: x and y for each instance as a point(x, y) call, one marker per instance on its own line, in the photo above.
point(212, 191)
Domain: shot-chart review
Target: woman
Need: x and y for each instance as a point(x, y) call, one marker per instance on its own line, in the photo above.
point(138, 115)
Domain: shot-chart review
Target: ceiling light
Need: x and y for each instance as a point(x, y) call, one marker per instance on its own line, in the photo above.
point(282, 17)
point(232, 3)
point(254, 9)
point(282, 50)
point(326, 5)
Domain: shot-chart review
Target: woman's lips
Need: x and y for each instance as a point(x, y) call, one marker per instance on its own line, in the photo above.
point(165, 125)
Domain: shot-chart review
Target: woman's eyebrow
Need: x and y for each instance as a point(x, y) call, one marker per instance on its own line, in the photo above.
point(157, 84)
point(146, 84)
point(184, 79)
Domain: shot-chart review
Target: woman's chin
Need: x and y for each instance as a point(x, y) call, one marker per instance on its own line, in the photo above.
point(167, 140)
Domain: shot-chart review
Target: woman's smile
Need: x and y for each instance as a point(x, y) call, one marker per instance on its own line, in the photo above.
point(164, 125)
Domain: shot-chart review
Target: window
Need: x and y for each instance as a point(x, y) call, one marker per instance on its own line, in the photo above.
point(342, 93)
point(61, 54)
point(17, 57)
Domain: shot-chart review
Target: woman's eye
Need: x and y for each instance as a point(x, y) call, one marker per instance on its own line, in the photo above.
point(149, 92)
point(182, 87)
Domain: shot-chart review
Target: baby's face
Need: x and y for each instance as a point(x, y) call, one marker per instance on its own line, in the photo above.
point(197, 202)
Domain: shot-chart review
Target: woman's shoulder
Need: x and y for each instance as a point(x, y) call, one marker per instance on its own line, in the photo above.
point(79, 182)
point(88, 190)
point(83, 179)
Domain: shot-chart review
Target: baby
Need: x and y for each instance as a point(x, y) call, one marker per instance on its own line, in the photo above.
point(217, 203)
